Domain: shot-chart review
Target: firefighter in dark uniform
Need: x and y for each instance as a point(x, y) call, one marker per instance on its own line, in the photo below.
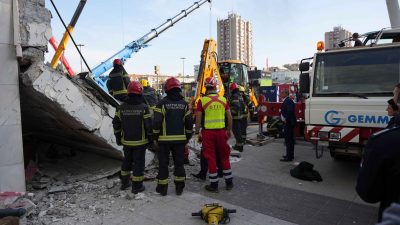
point(246, 104)
point(132, 129)
point(236, 105)
point(172, 128)
point(379, 176)
point(149, 94)
point(118, 81)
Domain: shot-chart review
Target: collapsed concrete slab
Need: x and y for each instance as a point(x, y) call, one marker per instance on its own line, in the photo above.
point(58, 109)
point(55, 107)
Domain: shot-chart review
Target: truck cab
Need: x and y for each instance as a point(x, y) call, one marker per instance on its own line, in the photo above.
point(348, 90)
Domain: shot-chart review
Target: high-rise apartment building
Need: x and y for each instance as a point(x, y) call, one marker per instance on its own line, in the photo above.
point(333, 38)
point(235, 39)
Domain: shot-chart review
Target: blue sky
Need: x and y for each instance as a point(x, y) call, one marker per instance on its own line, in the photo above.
point(285, 31)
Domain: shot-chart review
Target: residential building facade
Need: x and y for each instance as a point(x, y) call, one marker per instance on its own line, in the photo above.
point(333, 38)
point(235, 39)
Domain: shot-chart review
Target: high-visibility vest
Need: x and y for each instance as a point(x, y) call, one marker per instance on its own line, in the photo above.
point(214, 111)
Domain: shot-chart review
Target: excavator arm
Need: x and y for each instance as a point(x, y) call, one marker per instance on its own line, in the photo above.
point(208, 68)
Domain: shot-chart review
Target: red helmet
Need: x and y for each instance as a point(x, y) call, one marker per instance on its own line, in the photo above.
point(210, 82)
point(117, 62)
point(134, 87)
point(172, 82)
point(233, 86)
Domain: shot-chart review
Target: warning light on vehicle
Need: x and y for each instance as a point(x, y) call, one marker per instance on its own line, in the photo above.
point(320, 46)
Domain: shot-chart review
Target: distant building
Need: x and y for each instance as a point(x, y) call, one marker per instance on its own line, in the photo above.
point(235, 39)
point(333, 38)
point(285, 76)
point(153, 78)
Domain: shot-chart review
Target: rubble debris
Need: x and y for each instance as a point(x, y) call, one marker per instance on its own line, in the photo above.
point(30, 171)
point(25, 203)
point(55, 189)
point(110, 184)
point(8, 198)
point(40, 182)
point(105, 174)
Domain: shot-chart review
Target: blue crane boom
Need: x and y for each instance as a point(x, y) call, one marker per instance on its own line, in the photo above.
point(135, 46)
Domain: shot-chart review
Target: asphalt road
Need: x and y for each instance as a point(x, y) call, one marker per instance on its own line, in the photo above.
point(263, 184)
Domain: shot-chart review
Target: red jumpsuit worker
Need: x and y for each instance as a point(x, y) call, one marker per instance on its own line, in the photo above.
point(212, 113)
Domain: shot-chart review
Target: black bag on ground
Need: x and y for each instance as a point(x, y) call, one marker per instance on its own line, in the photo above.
point(305, 171)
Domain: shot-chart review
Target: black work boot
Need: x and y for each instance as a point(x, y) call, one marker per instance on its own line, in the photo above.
point(125, 182)
point(137, 187)
point(229, 184)
point(162, 189)
point(212, 187)
point(201, 175)
point(179, 187)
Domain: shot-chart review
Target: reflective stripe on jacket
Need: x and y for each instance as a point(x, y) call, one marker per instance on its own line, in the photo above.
point(132, 123)
point(117, 83)
point(173, 121)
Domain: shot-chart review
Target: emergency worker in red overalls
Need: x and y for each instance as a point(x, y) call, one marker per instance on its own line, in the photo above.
point(214, 118)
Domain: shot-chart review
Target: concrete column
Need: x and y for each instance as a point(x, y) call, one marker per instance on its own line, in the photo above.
point(12, 175)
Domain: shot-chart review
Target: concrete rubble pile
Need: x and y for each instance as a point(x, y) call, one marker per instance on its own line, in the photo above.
point(54, 107)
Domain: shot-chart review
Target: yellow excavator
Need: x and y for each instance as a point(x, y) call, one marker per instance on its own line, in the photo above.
point(226, 72)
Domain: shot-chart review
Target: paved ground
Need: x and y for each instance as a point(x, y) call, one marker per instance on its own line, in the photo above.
point(264, 194)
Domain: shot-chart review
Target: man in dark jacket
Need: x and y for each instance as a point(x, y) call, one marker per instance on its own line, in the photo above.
point(149, 94)
point(379, 176)
point(172, 128)
point(236, 104)
point(357, 42)
point(393, 111)
point(132, 129)
point(118, 81)
point(289, 118)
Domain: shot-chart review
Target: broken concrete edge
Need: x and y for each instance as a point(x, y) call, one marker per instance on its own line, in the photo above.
point(69, 107)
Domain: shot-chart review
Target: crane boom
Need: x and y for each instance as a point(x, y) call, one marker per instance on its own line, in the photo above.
point(140, 43)
point(394, 12)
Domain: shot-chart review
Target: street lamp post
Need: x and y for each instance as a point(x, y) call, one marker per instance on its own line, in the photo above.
point(183, 69)
point(80, 49)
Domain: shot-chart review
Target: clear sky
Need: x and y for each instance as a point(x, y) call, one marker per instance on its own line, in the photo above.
point(285, 31)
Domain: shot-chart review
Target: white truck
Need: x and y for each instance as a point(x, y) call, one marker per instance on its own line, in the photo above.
point(348, 90)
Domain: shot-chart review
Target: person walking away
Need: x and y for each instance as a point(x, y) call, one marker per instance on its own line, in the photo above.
point(289, 119)
point(212, 112)
point(379, 177)
point(172, 128)
point(236, 107)
point(246, 104)
point(132, 129)
point(118, 81)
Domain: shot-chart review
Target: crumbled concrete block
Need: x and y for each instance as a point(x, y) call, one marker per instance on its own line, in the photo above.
point(56, 189)
point(25, 203)
point(38, 34)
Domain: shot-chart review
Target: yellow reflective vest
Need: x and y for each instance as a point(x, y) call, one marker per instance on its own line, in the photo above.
point(214, 111)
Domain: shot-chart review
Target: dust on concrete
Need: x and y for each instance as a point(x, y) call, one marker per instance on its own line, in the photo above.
point(84, 188)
